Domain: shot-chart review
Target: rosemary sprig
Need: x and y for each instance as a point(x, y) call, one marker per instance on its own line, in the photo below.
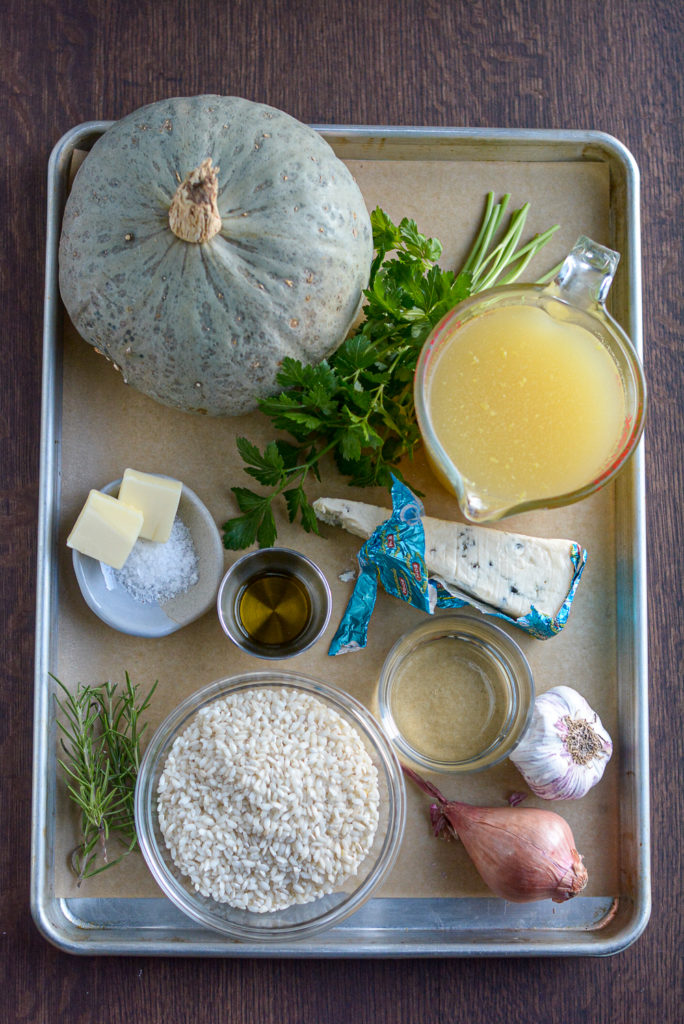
point(101, 735)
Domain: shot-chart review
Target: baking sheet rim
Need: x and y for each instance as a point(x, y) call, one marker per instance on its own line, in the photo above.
point(55, 918)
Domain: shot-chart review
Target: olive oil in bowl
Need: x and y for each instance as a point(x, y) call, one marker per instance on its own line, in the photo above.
point(274, 608)
point(274, 603)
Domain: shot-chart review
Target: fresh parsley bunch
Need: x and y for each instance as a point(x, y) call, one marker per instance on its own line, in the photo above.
point(358, 405)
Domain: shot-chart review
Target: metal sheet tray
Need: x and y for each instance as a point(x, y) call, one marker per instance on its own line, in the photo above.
point(389, 927)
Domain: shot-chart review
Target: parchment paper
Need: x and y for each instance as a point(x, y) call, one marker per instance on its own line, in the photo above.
point(108, 426)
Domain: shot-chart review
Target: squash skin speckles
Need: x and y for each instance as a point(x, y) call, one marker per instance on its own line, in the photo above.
point(226, 311)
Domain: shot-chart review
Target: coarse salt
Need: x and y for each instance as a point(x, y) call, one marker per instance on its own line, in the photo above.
point(155, 572)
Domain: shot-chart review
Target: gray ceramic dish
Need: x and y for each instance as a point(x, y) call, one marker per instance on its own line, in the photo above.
point(114, 605)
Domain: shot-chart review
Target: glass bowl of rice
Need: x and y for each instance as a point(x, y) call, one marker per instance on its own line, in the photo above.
point(269, 806)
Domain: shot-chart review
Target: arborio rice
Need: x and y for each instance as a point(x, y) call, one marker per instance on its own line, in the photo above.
point(267, 799)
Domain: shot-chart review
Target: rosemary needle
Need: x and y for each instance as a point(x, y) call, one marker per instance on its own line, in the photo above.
point(100, 739)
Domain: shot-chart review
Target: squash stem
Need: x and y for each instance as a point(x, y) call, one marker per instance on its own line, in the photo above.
point(193, 214)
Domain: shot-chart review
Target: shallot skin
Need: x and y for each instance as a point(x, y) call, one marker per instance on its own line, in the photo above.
point(521, 853)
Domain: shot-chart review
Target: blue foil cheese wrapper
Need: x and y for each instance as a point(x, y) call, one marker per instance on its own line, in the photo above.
point(395, 556)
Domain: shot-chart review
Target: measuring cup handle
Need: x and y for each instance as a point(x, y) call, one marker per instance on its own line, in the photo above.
point(587, 273)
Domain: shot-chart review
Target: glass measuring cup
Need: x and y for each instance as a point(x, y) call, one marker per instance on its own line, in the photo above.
point(508, 382)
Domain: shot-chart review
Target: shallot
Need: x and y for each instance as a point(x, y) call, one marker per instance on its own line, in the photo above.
point(521, 853)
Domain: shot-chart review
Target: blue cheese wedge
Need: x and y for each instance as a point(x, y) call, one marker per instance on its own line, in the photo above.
point(489, 568)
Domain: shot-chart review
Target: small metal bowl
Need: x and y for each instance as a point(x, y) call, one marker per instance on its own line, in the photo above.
point(455, 694)
point(275, 562)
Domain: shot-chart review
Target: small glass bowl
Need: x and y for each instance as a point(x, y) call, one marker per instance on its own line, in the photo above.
point(301, 920)
point(490, 712)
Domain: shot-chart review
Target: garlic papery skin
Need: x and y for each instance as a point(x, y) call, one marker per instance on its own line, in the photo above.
point(565, 749)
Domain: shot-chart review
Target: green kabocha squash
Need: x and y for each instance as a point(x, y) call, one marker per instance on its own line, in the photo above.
point(206, 238)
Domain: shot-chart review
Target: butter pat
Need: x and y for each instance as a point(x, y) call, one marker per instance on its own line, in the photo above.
point(157, 498)
point(106, 529)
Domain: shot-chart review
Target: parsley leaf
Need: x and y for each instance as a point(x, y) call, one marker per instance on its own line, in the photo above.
point(358, 404)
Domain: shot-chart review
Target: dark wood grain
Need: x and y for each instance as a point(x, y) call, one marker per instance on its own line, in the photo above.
point(614, 66)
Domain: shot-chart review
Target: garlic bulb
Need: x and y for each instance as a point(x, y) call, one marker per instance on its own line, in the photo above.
point(565, 749)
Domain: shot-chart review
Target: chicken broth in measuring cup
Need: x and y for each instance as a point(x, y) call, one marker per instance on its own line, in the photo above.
point(529, 396)
point(527, 406)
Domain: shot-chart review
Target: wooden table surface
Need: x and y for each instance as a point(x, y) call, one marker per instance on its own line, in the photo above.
point(613, 66)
